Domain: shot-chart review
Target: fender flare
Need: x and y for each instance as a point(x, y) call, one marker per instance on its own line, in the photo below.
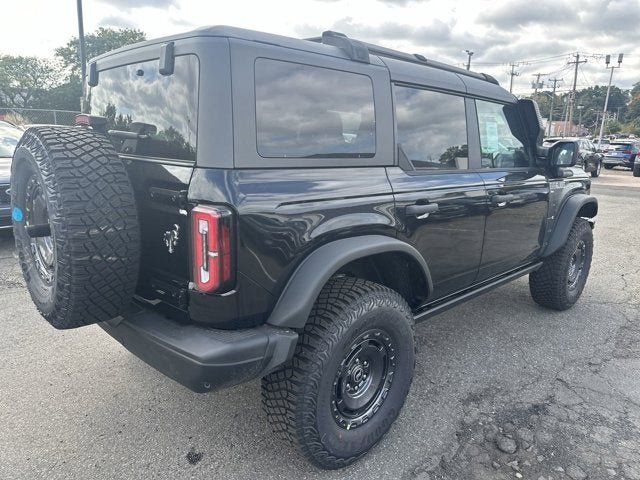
point(568, 213)
point(301, 291)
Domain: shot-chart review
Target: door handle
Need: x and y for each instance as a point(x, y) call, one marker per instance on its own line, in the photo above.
point(502, 200)
point(421, 211)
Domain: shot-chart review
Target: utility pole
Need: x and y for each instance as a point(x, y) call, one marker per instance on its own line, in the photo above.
point(469, 55)
point(606, 99)
point(536, 84)
point(572, 99)
point(512, 74)
point(83, 60)
point(580, 107)
point(565, 116)
point(553, 98)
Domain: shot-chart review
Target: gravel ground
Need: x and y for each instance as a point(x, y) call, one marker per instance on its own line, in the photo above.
point(503, 389)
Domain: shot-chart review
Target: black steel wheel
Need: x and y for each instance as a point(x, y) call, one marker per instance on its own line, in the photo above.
point(36, 213)
point(576, 265)
point(350, 374)
point(363, 379)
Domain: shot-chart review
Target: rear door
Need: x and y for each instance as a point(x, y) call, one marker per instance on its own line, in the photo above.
point(518, 190)
point(440, 203)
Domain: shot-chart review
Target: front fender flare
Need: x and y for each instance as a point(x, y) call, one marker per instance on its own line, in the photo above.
point(296, 301)
point(578, 205)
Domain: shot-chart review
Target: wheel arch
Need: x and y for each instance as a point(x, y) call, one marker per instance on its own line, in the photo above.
point(368, 256)
point(578, 205)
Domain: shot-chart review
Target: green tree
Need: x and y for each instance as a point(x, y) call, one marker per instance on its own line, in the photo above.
point(25, 81)
point(633, 110)
point(96, 43)
point(592, 99)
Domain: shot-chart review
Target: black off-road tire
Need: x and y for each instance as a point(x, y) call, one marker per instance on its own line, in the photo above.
point(596, 172)
point(608, 167)
point(550, 285)
point(298, 398)
point(636, 169)
point(95, 238)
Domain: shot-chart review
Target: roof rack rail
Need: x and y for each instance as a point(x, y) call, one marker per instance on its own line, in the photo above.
point(353, 48)
point(350, 46)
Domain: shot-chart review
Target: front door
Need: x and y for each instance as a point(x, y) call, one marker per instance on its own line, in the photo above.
point(518, 191)
point(440, 203)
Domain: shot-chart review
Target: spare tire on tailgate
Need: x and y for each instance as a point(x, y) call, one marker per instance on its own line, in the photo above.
point(75, 225)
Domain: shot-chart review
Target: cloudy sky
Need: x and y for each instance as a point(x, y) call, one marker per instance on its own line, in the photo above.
point(540, 35)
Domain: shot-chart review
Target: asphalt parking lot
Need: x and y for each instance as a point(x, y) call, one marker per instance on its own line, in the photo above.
point(563, 389)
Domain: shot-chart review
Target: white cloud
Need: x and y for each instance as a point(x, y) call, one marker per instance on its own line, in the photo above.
point(497, 31)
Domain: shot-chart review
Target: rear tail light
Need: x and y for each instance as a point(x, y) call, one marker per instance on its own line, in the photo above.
point(211, 230)
point(91, 121)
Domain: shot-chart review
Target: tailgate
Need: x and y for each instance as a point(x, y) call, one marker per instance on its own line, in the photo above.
point(161, 198)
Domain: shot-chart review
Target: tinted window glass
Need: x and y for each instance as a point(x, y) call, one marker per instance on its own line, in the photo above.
point(161, 110)
point(432, 128)
point(305, 111)
point(501, 136)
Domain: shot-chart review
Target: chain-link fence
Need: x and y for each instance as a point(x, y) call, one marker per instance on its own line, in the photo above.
point(26, 116)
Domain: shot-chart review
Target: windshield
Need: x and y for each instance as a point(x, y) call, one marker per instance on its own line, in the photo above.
point(9, 137)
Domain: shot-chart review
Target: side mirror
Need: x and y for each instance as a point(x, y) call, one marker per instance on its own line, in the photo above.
point(563, 154)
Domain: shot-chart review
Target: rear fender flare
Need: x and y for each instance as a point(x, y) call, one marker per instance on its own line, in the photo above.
point(301, 291)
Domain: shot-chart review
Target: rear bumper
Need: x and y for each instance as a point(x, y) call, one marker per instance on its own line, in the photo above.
point(616, 161)
point(202, 359)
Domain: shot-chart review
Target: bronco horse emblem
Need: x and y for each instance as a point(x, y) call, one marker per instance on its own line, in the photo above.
point(171, 238)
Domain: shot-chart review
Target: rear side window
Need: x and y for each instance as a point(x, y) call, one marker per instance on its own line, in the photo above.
point(304, 111)
point(149, 114)
point(501, 136)
point(432, 128)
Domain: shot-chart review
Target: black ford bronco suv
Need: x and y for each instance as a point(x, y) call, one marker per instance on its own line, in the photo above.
point(240, 205)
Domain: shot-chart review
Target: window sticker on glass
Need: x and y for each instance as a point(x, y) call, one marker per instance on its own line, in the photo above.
point(491, 140)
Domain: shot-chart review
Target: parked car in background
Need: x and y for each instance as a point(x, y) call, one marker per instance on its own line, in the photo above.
point(9, 136)
point(588, 157)
point(621, 153)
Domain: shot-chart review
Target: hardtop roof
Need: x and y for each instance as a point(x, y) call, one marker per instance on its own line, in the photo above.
point(392, 59)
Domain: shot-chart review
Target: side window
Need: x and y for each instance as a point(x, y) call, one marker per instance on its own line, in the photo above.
point(432, 128)
point(501, 136)
point(304, 111)
point(142, 112)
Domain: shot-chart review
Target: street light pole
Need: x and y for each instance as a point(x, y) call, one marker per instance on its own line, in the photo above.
point(606, 99)
point(469, 55)
point(81, 50)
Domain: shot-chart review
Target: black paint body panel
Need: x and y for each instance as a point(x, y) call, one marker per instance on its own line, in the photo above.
point(287, 208)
